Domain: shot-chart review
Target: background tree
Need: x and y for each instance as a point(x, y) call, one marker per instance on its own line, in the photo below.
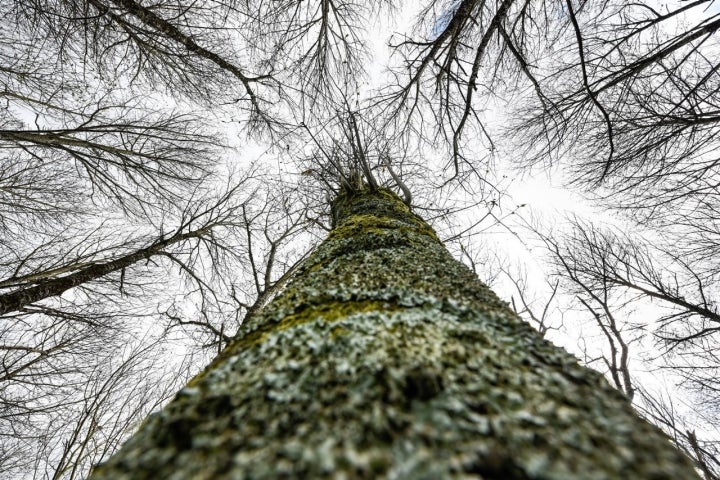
point(113, 238)
point(619, 279)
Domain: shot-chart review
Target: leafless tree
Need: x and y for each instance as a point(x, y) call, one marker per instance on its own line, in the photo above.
point(541, 313)
point(611, 275)
point(110, 161)
point(628, 106)
point(187, 49)
point(632, 95)
point(659, 407)
point(189, 286)
point(321, 42)
point(459, 58)
point(611, 261)
point(88, 403)
point(108, 201)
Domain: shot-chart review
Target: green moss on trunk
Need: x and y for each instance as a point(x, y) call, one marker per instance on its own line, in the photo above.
point(387, 358)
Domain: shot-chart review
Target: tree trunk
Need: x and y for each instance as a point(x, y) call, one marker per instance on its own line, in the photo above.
point(387, 358)
point(39, 287)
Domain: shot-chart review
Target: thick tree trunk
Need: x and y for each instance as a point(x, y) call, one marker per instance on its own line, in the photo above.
point(387, 358)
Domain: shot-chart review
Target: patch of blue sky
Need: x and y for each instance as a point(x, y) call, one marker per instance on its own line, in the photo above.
point(444, 18)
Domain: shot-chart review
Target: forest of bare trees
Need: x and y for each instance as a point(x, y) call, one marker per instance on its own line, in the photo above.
point(166, 165)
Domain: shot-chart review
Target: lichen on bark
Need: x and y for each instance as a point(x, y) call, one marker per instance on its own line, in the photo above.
point(385, 357)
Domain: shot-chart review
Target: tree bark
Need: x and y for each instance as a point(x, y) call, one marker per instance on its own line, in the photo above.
point(385, 357)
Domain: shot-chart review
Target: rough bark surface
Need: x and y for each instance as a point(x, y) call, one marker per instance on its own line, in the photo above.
point(385, 357)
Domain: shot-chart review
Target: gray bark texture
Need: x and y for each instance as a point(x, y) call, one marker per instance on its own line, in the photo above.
point(387, 358)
